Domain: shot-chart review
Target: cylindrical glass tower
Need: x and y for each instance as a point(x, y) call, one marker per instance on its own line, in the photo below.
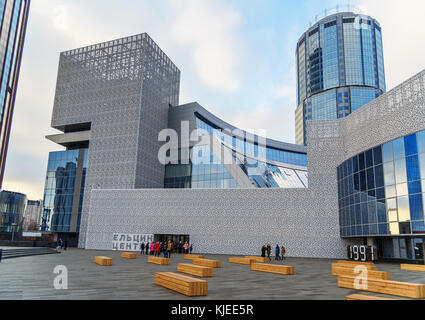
point(340, 68)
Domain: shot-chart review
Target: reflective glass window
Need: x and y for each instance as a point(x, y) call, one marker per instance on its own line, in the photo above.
point(403, 209)
point(400, 171)
point(377, 155)
point(398, 148)
point(420, 137)
point(416, 207)
point(387, 152)
point(411, 147)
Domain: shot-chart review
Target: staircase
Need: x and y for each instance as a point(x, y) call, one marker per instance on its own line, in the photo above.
point(19, 253)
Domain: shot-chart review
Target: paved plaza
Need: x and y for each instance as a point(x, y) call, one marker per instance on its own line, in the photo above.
point(33, 277)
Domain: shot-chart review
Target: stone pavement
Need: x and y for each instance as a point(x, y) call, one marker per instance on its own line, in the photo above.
point(32, 278)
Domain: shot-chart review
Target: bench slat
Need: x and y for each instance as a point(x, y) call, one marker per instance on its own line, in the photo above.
point(183, 284)
point(273, 268)
point(207, 263)
point(395, 288)
point(361, 297)
point(356, 262)
point(242, 260)
point(412, 267)
point(158, 260)
point(258, 259)
point(128, 255)
point(348, 270)
point(193, 256)
point(195, 270)
point(103, 261)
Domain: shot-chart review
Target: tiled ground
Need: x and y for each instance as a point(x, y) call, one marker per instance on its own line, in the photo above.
point(32, 278)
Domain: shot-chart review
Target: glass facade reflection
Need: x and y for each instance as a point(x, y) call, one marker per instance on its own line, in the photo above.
point(340, 68)
point(12, 211)
point(246, 147)
point(382, 191)
point(264, 167)
point(65, 180)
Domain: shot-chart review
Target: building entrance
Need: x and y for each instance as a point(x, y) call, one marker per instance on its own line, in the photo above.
point(402, 248)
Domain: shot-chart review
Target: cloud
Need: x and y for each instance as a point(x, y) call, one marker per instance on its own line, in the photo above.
point(267, 119)
point(209, 29)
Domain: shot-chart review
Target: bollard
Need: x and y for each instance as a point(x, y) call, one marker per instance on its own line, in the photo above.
point(1, 253)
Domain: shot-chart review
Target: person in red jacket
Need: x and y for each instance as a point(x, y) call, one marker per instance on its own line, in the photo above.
point(158, 249)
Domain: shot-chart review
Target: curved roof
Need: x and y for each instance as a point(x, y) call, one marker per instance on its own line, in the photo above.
point(345, 14)
point(198, 110)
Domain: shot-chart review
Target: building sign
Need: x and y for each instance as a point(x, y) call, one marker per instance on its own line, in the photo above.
point(130, 242)
point(32, 234)
point(362, 253)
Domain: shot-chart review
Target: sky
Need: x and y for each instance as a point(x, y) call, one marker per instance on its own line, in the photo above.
point(237, 59)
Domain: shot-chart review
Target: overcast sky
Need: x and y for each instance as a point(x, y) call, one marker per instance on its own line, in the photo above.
point(237, 59)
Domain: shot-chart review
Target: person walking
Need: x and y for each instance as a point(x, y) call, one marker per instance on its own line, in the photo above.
point(142, 248)
point(186, 247)
point(190, 248)
point(147, 248)
point(269, 251)
point(165, 246)
point(263, 251)
point(152, 248)
point(283, 251)
point(158, 249)
point(169, 248)
point(180, 247)
point(277, 253)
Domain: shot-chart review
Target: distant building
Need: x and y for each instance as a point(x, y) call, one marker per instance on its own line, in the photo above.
point(340, 68)
point(12, 211)
point(13, 24)
point(32, 215)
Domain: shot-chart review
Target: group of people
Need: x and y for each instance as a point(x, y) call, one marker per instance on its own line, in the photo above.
point(166, 248)
point(279, 252)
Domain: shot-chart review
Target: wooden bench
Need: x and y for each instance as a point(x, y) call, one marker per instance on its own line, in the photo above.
point(242, 260)
point(128, 255)
point(183, 284)
point(195, 270)
point(395, 288)
point(348, 270)
point(258, 259)
point(207, 263)
point(361, 297)
point(412, 267)
point(193, 257)
point(273, 268)
point(158, 260)
point(353, 265)
point(349, 262)
point(103, 261)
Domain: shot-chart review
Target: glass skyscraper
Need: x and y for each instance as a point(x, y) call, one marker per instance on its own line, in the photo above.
point(340, 68)
point(12, 210)
point(13, 22)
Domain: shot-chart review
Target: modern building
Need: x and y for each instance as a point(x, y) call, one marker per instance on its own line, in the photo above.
point(30, 221)
point(13, 24)
point(227, 190)
point(340, 68)
point(12, 211)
